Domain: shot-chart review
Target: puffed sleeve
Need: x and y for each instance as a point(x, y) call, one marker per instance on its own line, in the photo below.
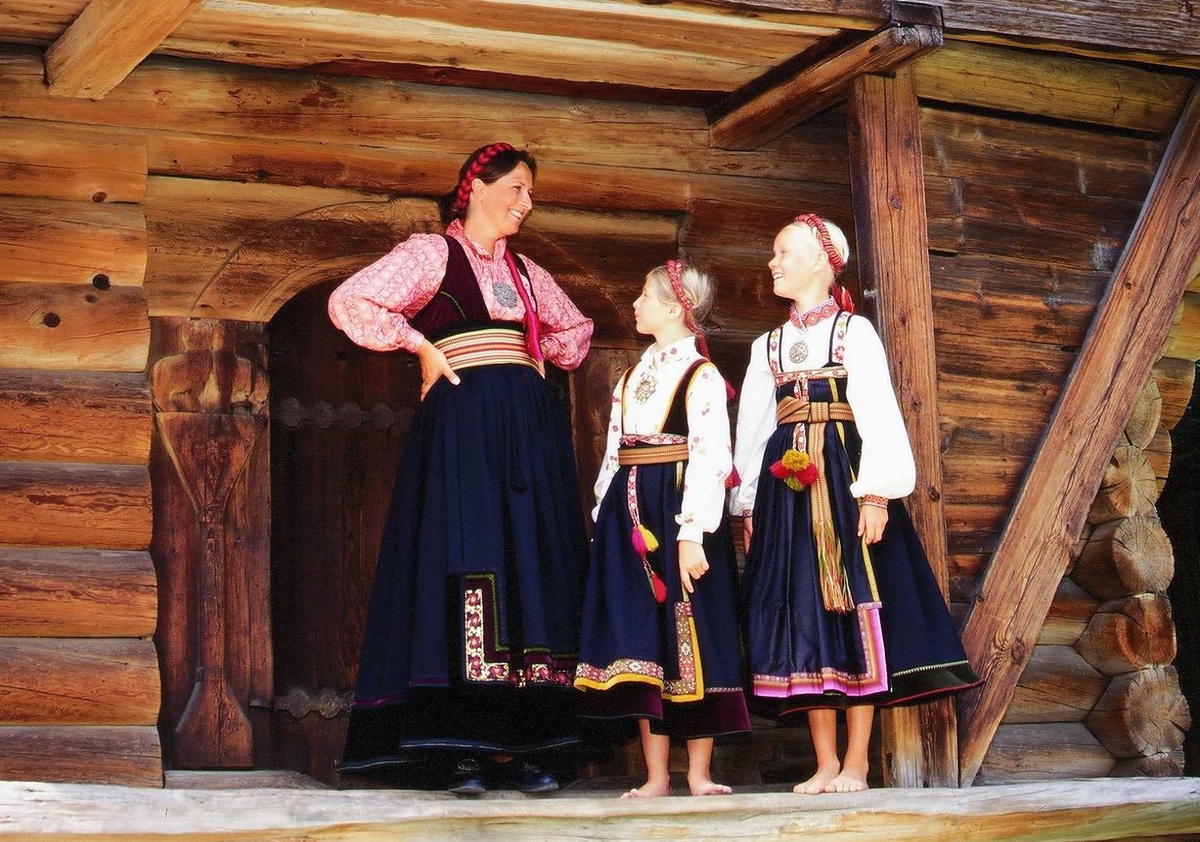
point(608, 467)
point(755, 423)
point(886, 468)
point(566, 332)
point(373, 305)
point(709, 459)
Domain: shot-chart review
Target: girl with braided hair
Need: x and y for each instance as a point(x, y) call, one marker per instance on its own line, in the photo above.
point(660, 631)
point(842, 609)
point(473, 623)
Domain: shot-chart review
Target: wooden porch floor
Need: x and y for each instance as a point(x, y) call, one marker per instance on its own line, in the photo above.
point(1105, 809)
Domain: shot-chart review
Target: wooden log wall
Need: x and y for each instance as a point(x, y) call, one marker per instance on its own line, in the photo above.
point(262, 183)
point(78, 597)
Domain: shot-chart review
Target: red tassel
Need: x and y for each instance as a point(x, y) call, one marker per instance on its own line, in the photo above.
point(809, 475)
point(660, 588)
point(639, 543)
point(778, 471)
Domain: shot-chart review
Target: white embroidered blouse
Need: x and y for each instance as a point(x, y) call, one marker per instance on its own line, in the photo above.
point(886, 468)
point(709, 452)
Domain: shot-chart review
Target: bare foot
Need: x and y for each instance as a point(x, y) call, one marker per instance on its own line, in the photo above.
point(852, 779)
point(704, 786)
point(819, 782)
point(650, 789)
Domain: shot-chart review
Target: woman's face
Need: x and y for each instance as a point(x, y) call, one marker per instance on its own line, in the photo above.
point(505, 203)
point(795, 262)
point(650, 313)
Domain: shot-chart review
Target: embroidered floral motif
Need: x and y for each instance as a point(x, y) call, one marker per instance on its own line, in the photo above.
point(814, 316)
point(620, 667)
point(489, 663)
point(478, 667)
point(839, 338)
point(630, 439)
point(686, 684)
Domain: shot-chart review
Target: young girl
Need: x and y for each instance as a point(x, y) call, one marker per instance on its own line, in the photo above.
point(660, 632)
point(842, 609)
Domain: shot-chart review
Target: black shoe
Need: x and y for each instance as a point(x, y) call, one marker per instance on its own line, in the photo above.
point(467, 778)
point(532, 779)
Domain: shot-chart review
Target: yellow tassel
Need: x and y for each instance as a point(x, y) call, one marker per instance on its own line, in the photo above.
point(648, 537)
point(835, 589)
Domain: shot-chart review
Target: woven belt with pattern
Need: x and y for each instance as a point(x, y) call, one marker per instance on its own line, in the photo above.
point(489, 346)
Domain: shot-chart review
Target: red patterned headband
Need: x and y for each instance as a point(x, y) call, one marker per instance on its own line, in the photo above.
point(836, 261)
point(481, 160)
point(675, 276)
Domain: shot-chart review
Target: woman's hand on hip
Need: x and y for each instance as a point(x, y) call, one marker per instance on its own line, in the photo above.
point(434, 366)
point(692, 563)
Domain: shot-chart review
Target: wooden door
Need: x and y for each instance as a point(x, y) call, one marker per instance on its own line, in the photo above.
point(339, 417)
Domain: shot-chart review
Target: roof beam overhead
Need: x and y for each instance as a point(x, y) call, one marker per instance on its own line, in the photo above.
point(1121, 346)
point(108, 40)
point(808, 83)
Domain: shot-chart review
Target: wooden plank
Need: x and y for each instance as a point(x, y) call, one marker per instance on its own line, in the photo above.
point(1069, 615)
point(107, 41)
point(1045, 85)
point(1045, 752)
point(893, 259)
point(78, 682)
point(60, 505)
point(47, 241)
point(96, 754)
point(1047, 518)
point(74, 416)
point(45, 160)
point(789, 94)
point(211, 99)
point(69, 327)
point(1058, 685)
point(1067, 811)
point(76, 593)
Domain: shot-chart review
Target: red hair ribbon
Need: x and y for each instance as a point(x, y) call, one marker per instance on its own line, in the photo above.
point(481, 160)
point(836, 262)
point(675, 276)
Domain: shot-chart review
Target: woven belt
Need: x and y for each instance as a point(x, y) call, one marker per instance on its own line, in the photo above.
point(658, 454)
point(795, 411)
point(489, 346)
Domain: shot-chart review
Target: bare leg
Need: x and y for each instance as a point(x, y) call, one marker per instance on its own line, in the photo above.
point(656, 748)
point(823, 726)
point(854, 771)
point(700, 769)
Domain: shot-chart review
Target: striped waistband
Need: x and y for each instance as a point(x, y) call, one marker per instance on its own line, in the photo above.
point(488, 346)
point(656, 454)
point(795, 411)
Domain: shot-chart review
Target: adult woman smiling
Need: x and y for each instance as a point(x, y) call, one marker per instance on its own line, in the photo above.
point(471, 633)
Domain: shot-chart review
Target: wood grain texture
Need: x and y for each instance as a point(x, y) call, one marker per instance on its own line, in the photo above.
point(1142, 713)
point(78, 682)
point(1129, 634)
point(1044, 752)
point(45, 161)
point(1058, 685)
point(93, 754)
point(69, 505)
point(1126, 556)
point(74, 416)
point(106, 41)
point(76, 593)
point(48, 241)
point(1034, 551)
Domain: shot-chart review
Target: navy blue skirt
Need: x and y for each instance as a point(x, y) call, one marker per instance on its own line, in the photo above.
point(472, 631)
point(899, 644)
point(677, 663)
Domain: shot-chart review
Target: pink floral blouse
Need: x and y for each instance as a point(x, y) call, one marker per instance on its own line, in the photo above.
point(374, 305)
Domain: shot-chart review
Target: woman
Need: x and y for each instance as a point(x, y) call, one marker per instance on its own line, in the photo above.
point(470, 642)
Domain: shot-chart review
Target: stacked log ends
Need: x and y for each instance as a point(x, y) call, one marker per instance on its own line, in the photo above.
point(1130, 634)
point(1126, 556)
point(1167, 764)
point(1144, 420)
point(1129, 487)
point(1175, 379)
point(1141, 714)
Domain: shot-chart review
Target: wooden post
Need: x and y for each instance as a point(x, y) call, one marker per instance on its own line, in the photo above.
point(1116, 358)
point(887, 179)
point(209, 393)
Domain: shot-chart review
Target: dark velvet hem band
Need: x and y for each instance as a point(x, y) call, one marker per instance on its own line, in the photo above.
point(716, 715)
point(911, 689)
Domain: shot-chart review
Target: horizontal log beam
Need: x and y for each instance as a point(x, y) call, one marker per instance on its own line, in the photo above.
point(78, 682)
point(101, 506)
point(1044, 752)
point(72, 327)
point(1058, 685)
point(1049, 513)
point(1067, 811)
point(76, 593)
point(46, 241)
point(108, 40)
point(46, 160)
point(786, 96)
point(74, 416)
point(95, 754)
